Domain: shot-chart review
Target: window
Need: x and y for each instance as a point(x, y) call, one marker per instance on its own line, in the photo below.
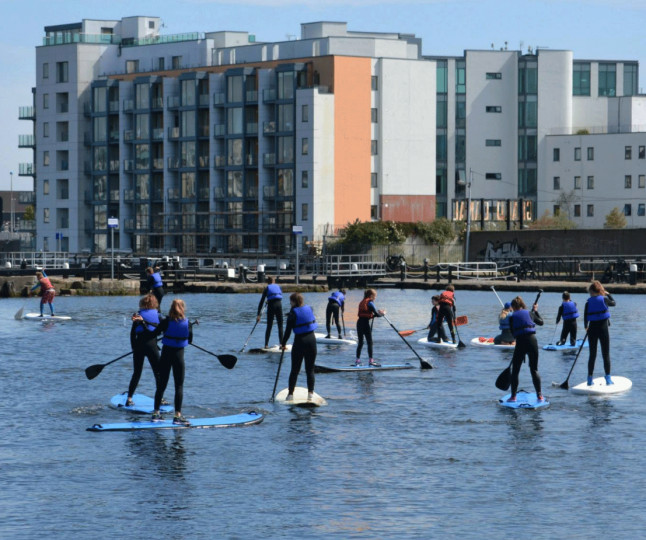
point(45, 129)
point(642, 181)
point(642, 152)
point(441, 71)
point(628, 152)
point(45, 101)
point(62, 74)
point(628, 210)
point(577, 154)
point(374, 179)
point(577, 210)
point(175, 62)
point(305, 113)
point(590, 182)
point(374, 212)
point(132, 66)
point(460, 114)
point(581, 79)
point(630, 79)
point(591, 210)
point(374, 82)
point(441, 113)
point(45, 187)
point(305, 179)
point(62, 189)
point(45, 70)
point(590, 153)
point(493, 176)
point(374, 147)
point(641, 209)
point(556, 156)
point(305, 212)
point(160, 63)
point(607, 79)
point(460, 77)
point(628, 181)
point(45, 215)
point(493, 108)
point(557, 183)
point(151, 25)
point(493, 76)
point(305, 146)
point(493, 142)
point(460, 148)
point(577, 182)
point(46, 158)
point(557, 210)
point(374, 115)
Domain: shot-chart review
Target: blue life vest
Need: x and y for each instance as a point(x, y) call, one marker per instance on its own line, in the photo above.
point(337, 297)
point(305, 320)
point(274, 292)
point(521, 323)
point(597, 309)
point(570, 311)
point(149, 316)
point(157, 280)
point(177, 334)
point(504, 323)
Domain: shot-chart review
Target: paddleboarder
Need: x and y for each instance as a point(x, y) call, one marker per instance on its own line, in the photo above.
point(274, 295)
point(570, 313)
point(447, 309)
point(155, 283)
point(336, 303)
point(143, 342)
point(367, 311)
point(433, 327)
point(523, 327)
point(48, 293)
point(302, 321)
point(505, 337)
point(596, 318)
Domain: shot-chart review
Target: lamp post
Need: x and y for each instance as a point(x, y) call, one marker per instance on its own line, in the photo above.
point(11, 202)
point(466, 255)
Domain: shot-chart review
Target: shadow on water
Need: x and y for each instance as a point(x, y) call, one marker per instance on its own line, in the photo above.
point(161, 450)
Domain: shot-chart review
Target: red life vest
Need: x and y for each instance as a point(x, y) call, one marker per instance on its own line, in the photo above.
point(364, 310)
point(45, 284)
point(447, 298)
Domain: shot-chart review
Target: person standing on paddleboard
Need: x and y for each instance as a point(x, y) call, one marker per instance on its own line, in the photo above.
point(505, 337)
point(155, 284)
point(47, 291)
point(367, 311)
point(274, 295)
point(301, 319)
point(177, 336)
point(523, 327)
point(143, 342)
point(433, 327)
point(447, 310)
point(596, 318)
point(570, 313)
point(336, 303)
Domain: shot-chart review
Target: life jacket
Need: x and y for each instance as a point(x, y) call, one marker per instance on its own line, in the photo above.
point(364, 311)
point(45, 284)
point(521, 323)
point(177, 334)
point(447, 297)
point(597, 309)
point(149, 316)
point(570, 311)
point(337, 297)
point(157, 280)
point(274, 292)
point(504, 323)
point(305, 320)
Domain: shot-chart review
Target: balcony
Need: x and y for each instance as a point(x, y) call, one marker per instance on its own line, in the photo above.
point(251, 96)
point(157, 103)
point(128, 135)
point(158, 194)
point(128, 105)
point(203, 131)
point(220, 161)
point(113, 107)
point(251, 192)
point(251, 160)
point(269, 95)
point(26, 169)
point(173, 194)
point(203, 100)
point(173, 163)
point(26, 113)
point(158, 164)
point(218, 99)
point(113, 136)
point(26, 141)
point(269, 192)
point(252, 128)
point(172, 102)
point(128, 165)
point(173, 133)
point(26, 197)
point(114, 195)
point(87, 109)
point(65, 166)
point(203, 194)
point(62, 108)
point(26, 225)
point(129, 195)
point(219, 130)
point(269, 127)
point(203, 162)
point(269, 160)
point(218, 193)
point(87, 139)
point(158, 134)
point(114, 165)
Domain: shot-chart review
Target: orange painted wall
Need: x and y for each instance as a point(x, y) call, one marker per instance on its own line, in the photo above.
point(351, 87)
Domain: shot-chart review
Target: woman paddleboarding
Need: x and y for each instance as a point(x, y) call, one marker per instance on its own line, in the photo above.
point(596, 318)
point(48, 293)
point(367, 312)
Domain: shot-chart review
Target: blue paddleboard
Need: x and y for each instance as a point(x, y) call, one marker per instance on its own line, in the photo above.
point(524, 400)
point(143, 404)
point(565, 346)
point(236, 420)
point(384, 367)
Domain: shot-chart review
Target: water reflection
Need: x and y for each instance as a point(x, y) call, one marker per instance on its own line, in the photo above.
point(163, 450)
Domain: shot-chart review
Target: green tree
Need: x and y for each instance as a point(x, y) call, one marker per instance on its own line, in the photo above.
point(548, 221)
point(615, 219)
point(359, 235)
point(29, 214)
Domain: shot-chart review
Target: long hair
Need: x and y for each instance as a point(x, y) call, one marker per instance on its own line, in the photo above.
point(177, 309)
point(517, 303)
point(150, 270)
point(297, 299)
point(148, 302)
point(596, 288)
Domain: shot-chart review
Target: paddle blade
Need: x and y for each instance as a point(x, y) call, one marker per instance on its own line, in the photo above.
point(423, 364)
point(92, 371)
point(564, 385)
point(461, 345)
point(461, 320)
point(503, 382)
point(407, 332)
point(18, 314)
point(227, 360)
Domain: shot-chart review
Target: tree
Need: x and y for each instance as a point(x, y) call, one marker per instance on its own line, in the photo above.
point(29, 214)
point(565, 201)
point(615, 219)
point(360, 235)
point(548, 221)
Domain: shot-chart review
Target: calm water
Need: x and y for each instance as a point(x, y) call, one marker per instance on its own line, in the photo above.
point(410, 454)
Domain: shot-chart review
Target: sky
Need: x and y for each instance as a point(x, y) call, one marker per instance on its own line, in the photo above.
point(593, 29)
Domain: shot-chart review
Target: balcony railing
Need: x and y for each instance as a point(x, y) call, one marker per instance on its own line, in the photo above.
point(128, 165)
point(203, 162)
point(114, 165)
point(114, 195)
point(218, 193)
point(252, 128)
point(269, 94)
point(114, 135)
point(203, 100)
point(173, 163)
point(173, 194)
point(128, 135)
point(251, 95)
point(173, 102)
point(269, 159)
point(158, 163)
point(26, 113)
point(158, 134)
point(129, 195)
point(269, 127)
point(203, 193)
point(173, 133)
point(62, 38)
point(157, 103)
point(26, 169)
point(128, 105)
point(113, 106)
point(219, 130)
point(218, 98)
point(220, 161)
point(26, 197)
point(251, 160)
point(26, 141)
point(269, 192)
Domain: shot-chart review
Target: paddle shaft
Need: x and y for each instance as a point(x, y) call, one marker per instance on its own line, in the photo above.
point(93, 371)
point(247, 341)
point(343, 322)
point(280, 363)
point(227, 360)
point(565, 385)
point(424, 364)
point(498, 297)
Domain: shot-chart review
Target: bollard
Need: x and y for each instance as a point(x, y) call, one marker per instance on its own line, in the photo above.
point(425, 269)
point(632, 277)
point(261, 273)
point(450, 274)
point(402, 270)
point(241, 273)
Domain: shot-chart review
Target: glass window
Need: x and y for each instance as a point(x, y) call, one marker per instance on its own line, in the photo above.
point(234, 121)
point(286, 85)
point(305, 179)
point(577, 210)
point(374, 179)
point(590, 153)
point(285, 183)
point(160, 63)
point(46, 158)
point(440, 147)
point(45, 70)
point(374, 115)
point(45, 101)
point(607, 79)
point(100, 124)
point(590, 182)
point(641, 209)
point(374, 211)
point(556, 155)
point(556, 210)
point(460, 114)
point(45, 215)
point(62, 72)
point(630, 79)
point(628, 152)
point(100, 188)
point(304, 212)
point(142, 126)
point(642, 152)
point(521, 80)
point(305, 146)
point(305, 113)
point(532, 80)
point(374, 147)
point(132, 66)
point(642, 181)
point(176, 62)
point(142, 156)
point(234, 152)
point(590, 210)
point(440, 182)
point(531, 114)
point(234, 183)
point(557, 182)
point(441, 71)
point(142, 186)
point(441, 112)
point(493, 142)
point(142, 96)
point(493, 108)
point(45, 129)
point(45, 187)
point(374, 82)
point(234, 88)
point(286, 117)
point(188, 93)
point(100, 158)
point(628, 181)
point(285, 149)
point(99, 104)
point(493, 176)
point(628, 210)
point(581, 79)
point(577, 182)
point(460, 148)
point(493, 76)
point(532, 148)
point(460, 77)
point(577, 154)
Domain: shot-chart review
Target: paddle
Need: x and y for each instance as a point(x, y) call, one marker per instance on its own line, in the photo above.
point(92, 371)
point(503, 382)
point(245, 343)
point(280, 363)
point(410, 332)
point(422, 363)
point(18, 314)
point(554, 334)
point(461, 344)
point(227, 360)
point(565, 384)
point(343, 322)
point(498, 297)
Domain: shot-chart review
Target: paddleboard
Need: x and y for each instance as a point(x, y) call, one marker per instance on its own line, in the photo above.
point(143, 404)
point(300, 398)
point(444, 345)
point(384, 367)
point(236, 420)
point(524, 400)
point(275, 349)
point(37, 317)
point(488, 342)
point(565, 346)
point(320, 338)
point(600, 388)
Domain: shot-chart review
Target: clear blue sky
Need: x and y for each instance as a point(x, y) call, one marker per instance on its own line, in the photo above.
point(594, 29)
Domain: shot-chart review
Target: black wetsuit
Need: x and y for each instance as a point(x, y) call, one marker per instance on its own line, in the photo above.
point(171, 358)
point(569, 328)
point(526, 344)
point(332, 310)
point(364, 329)
point(303, 348)
point(434, 327)
point(598, 333)
point(274, 310)
point(158, 292)
point(144, 345)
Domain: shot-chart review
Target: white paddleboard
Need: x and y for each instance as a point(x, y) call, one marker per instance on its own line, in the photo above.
point(300, 398)
point(37, 317)
point(434, 344)
point(321, 338)
point(488, 342)
point(600, 388)
point(275, 349)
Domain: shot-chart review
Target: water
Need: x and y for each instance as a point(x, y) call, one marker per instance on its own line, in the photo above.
point(406, 454)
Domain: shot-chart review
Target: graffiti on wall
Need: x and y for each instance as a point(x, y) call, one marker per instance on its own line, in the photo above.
point(502, 250)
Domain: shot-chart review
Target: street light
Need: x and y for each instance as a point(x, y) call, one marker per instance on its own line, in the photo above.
point(466, 256)
point(11, 203)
